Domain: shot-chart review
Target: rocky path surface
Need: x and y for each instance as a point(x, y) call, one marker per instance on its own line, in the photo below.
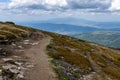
point(41, 69)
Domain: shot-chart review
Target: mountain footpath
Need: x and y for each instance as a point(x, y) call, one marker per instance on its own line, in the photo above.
point(23, 55)
point(37, 56)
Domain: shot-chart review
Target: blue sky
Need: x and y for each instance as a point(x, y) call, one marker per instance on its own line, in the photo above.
point(4, 0)
point(28, 10)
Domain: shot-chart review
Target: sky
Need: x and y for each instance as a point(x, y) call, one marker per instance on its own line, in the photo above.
point(32, 10)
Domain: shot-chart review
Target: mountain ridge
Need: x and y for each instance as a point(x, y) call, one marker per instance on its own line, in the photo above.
point(78, 22)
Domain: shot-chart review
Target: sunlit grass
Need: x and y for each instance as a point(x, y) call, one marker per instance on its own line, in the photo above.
point(61, 49)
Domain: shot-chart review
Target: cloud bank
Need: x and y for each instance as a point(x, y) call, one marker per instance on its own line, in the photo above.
point(56, 6)
point(61, 4)
point(47, 5)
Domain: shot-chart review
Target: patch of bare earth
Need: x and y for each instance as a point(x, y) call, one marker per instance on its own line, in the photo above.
point(41, 68)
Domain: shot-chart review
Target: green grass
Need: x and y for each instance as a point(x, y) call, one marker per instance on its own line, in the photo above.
point(112, 72)
point(58, 51)
point(61, 49)
point(98, 60)
point(8, 35)
point(9, 22)
point(11, 32)
point(15, 31)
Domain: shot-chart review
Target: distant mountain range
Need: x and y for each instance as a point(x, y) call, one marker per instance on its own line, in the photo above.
point(83, 22)
point(63, 28)
point(67, 28)
point(77, 22)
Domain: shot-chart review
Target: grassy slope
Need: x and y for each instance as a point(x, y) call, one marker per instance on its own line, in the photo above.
point(10, 32)
point(67, 51)
point(72, 58)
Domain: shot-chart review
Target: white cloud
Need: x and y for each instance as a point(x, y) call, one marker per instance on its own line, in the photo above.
point(56, 2)
point(115, 5)
point(39, 4)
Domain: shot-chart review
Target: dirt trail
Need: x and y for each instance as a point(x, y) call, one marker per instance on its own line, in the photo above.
point(42, 69)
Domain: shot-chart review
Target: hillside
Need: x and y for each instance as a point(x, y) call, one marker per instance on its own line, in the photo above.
point(107, 38)
point(24, 58)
